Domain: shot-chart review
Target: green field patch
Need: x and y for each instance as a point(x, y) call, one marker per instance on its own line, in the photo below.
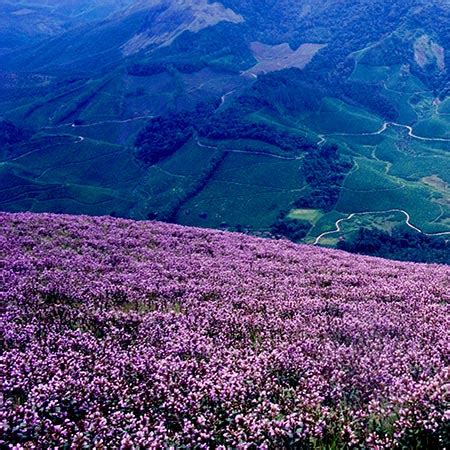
point(48, 152)
point(384, 221)
point(370, 176)
point(310, 215)
point(100, 177)
point(262, 171)
point(190, 160)
point(232, 205)
point(69, 199)
point(325, 223)
point(414, 160)
point(370, 74)
point(444, 106)
point(248, 190)
point(417, 200)
point(336, 117)
point(120, 131)
point(401, 80)
point(434, 127)
point(251, 146)
point(211, 83)
point(361, 140)
point(283, 122)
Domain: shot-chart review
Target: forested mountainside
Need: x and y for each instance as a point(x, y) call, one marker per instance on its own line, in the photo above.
point(23, 22)
point(150, 335)
point(324, 122)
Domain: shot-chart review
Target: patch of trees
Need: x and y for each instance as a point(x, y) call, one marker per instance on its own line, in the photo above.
point(354, 26)
point(233, 124)
point(287, 91)
point(146, 70)
point(325, 172)
point(324, 169)
point(10, 134)
point(341, 24)
point(434, 19)
point(222, 47)
point(162, 137)
point(401, 244)
point(294, 91)
point(292, 229)
point(368, 96)
point(390, 52)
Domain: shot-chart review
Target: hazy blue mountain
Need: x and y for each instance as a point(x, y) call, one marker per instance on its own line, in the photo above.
point(23, 22)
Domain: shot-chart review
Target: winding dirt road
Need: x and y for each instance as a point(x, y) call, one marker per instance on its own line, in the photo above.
point(385, 126)
point(103, 122)
point(350, 216)
point(224, 97)
point(408, 218)
point(248, 152)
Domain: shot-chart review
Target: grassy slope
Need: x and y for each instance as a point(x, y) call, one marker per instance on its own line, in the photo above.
point(392, 170)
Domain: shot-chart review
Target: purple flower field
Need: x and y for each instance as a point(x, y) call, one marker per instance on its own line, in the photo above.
point(121, 334)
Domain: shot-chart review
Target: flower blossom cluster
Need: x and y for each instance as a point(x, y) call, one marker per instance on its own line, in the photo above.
point(122, 334)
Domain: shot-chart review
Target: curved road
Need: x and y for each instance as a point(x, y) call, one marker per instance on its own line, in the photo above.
point(102, 122)
point(224, 97)
point(350, 216)
point(382, 130)
point(408, 218)
point(81, 125)
point(248, 152)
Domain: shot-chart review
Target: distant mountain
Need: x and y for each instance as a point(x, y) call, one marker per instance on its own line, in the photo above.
point(22, 22)
point(145, 25)
point(166, 20)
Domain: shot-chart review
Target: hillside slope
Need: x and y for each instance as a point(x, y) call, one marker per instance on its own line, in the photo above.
point(128, 334)
point(23, 23)
point(212, 114)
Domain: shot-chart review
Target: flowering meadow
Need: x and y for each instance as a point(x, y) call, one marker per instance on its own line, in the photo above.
point(122, 334)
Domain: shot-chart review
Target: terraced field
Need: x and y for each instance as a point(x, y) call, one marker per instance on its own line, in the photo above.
point(391, 127)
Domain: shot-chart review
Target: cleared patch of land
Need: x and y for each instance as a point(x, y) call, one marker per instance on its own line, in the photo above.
point(175, 20)
point(278, 57)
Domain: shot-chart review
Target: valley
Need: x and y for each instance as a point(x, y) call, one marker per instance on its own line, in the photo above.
point(387, 116)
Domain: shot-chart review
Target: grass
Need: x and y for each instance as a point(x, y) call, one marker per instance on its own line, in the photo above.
point(415, 199)
point(263, 171)
point(325, 223)
point(370, 74)
point(101, 176)
point(56, 173)
point(251, 207)
point(247, 189)
point(370, 176)
point(435, 126)
point(444, 107)
point(336, 116)
point(310, 215)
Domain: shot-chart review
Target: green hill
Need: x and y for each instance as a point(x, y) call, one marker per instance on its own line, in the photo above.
point(213, 115)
